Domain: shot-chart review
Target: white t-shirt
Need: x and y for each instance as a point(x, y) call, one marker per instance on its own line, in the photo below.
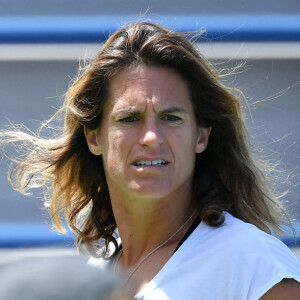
point(233, 261)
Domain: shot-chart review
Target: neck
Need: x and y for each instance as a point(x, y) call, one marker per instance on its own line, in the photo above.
point(157, 248)
point(143, 230)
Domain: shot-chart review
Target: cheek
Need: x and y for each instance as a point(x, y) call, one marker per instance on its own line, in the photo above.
point(184, 141)
point(114, 152)
point(112, 161)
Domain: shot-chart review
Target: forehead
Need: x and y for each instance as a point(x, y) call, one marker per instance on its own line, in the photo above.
point(140, 85)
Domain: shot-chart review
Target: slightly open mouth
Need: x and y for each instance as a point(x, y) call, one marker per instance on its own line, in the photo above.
point(149, 163)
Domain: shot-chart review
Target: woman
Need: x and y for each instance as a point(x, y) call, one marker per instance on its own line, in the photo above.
point(156, 146)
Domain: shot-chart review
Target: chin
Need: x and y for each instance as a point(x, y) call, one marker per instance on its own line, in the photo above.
point(151, 192)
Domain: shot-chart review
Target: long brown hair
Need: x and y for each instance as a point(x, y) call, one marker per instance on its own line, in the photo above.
point(226, 177)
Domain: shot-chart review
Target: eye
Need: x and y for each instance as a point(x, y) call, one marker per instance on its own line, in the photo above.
point(171, 118)
point(129, 119)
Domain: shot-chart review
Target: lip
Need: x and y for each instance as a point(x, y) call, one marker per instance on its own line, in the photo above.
point(136, 159)
point(152, 167)
point(158, 169)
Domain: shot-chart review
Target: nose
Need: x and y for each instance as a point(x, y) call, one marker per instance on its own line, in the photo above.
point(151, 134)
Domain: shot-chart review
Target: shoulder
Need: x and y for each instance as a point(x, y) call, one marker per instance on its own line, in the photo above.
point(243, 238)
point(238, 237)
point(236, 242)
point(246, 256)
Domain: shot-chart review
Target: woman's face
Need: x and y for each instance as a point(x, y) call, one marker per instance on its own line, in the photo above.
point(148, 137)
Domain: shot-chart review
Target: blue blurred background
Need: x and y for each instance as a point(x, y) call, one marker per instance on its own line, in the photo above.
point(43, 42)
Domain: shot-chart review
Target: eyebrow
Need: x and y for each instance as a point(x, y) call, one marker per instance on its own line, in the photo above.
point(174, 109)
point(133, 111)
point(128, 111)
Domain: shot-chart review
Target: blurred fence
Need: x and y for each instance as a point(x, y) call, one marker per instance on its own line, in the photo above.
point(35, 234)
point(68, 37)
point(95, 29)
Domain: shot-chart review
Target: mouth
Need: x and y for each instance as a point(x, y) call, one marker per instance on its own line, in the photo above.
point(149, 163)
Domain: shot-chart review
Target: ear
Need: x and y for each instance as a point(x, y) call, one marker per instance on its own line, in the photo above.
point(202, 140)
point(91, 137)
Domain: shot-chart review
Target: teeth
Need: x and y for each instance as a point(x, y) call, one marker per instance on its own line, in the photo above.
point(150, 163)
point(158, 162)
